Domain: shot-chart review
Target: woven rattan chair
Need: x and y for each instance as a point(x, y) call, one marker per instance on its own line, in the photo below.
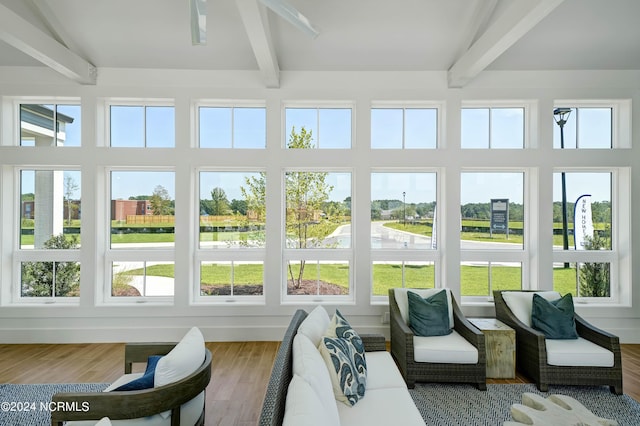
point(402, 350)
point(531, 354)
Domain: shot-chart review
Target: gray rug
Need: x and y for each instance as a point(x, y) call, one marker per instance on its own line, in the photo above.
point(28, 405)
point(460, 404)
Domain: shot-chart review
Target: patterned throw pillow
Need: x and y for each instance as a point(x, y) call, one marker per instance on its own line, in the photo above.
point(343, 352)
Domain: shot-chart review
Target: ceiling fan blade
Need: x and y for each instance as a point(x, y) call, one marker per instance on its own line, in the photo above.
point(198, 21)
point(291, 14)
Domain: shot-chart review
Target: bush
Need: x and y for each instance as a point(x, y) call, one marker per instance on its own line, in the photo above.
point(38, 277)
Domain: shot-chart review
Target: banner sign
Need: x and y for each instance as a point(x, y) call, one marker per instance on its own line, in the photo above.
point(582, 221)
point(499, 215)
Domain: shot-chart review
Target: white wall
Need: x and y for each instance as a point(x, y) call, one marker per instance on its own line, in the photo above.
point(91, 323)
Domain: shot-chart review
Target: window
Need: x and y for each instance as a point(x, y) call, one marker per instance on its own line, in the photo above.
point(404, 128)
point(584, 128)
point(582, 216)
point(49, 233)
point(231, 249)
point(403, 224)
point(50, 125)
point(491, 232)
point(325, 128)
point(492, 128)
point(317, 232)
point(142, 230)
point(142, 126)
point(232, 127)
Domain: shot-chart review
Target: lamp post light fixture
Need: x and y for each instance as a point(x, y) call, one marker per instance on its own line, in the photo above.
point(404, 209)
point(561, 115)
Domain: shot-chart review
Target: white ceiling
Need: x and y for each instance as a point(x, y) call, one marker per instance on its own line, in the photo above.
point(463, 37)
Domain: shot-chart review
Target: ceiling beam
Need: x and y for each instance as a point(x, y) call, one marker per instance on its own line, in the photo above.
point(515, 21)
point(480, 15)
point(21, 34)
point(48, 17)
point(256, 24)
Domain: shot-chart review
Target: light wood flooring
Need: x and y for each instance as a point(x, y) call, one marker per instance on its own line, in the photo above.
point(239, 377)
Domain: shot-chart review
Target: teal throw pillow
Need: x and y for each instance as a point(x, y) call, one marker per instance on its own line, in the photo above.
point(554, 318)
point(430, 316)
point(147, 379)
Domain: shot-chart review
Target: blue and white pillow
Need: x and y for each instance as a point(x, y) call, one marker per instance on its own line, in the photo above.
point(343, 352)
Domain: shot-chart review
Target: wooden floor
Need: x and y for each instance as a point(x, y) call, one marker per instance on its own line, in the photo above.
point(239, 377)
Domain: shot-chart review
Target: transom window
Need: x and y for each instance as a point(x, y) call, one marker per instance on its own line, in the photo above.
point(142, 126)
point(328, 127)
point(404, 128)
point(50, 125)
point(232, 127)
point(492, 128)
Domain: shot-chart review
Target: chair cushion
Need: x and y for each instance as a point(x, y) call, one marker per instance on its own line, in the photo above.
point(519, 302)
point(577, 353)
point(555, 318)
point(429, 316)
point(449, 349)
point(303, 407)
point(403, 301)
point(315, 325)
point(309, 365)
point(146, 380)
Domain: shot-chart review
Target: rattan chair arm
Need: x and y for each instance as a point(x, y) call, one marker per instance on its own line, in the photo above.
point(596, 335)
point(374, 342)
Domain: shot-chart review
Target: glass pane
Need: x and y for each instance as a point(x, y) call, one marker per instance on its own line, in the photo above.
point(507, 128)
point(588, 211)
point(328, 128)
point(298, 118)
point(232, 209)
point(475, 128)
point(402, 210)
point(161, 127)
point(583, 279)
point(492, 210)
point(38, 278)
point(127, 126)
point(249, 128)
point(310, 277)
point(482, 278)
point(142, 209)
point(37, 129)
point(50, 209)
point(231, 278)
point(318, 210)
point(412, 274)
point(335, 128)
point(215, 127)
point(386, 128)
point(142, 279)
point(421, 128)
point(585, 128)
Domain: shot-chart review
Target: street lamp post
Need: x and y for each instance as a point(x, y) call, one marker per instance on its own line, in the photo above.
point(404, 209)
point(561, 115)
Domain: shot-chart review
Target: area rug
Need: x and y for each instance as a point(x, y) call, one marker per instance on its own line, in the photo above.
point(460, 404)
point(28, 405)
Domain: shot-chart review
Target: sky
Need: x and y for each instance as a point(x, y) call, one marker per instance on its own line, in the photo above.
point(245, 127)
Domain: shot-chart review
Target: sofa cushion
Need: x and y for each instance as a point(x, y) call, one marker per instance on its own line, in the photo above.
point(392, 406)
point(382, 372)
point(315, 325)
point(429, 316)
point(577, 353)
point(303, 407)
point(146, 380)
point(519, 302)
point(309, 365)
point(449, 349)
point(403, 301)
point(555, 318)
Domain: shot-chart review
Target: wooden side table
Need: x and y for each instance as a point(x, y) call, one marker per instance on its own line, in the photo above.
point(500, 345)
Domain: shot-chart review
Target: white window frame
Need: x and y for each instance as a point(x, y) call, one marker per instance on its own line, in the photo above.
point(132, 102)
point(317, 105)
point(405, 105)
point(529, 119)
point(224, 103)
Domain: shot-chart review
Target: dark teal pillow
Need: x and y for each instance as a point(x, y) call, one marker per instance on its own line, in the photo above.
point(146, 381)
point(430, 316)
point(554, 318)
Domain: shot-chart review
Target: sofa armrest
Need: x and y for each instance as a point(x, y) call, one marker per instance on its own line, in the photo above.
point(140, 352)
point(373, 342)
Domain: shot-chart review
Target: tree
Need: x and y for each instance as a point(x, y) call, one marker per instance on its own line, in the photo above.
point(595, 277)
point(49, 279)
point(160, 201)
point(70, 188)
point(219, 204)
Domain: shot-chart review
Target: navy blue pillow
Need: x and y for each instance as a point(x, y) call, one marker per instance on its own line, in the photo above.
point(146, 381)
point(430, 316)
point(554, 318)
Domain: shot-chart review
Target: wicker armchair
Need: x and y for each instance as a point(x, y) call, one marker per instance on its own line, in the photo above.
point(531, 354)
point(402, 349)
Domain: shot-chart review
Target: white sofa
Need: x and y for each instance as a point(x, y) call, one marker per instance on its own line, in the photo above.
point(300, 390)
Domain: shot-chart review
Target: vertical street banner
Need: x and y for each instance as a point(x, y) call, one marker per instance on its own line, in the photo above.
point(582, 221)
